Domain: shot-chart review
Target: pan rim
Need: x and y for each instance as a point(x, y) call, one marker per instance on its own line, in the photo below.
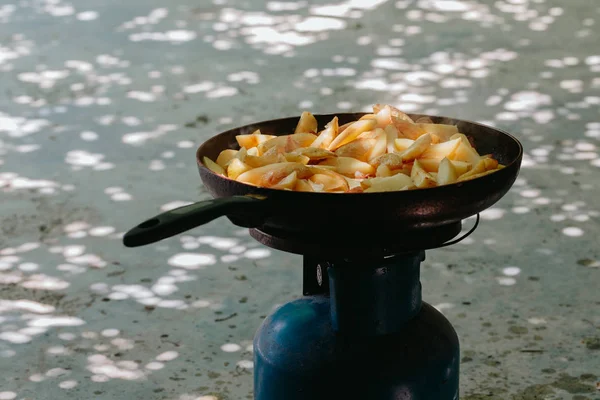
point(516, 160)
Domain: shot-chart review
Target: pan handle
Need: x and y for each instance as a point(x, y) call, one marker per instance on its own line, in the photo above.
point(173, 222)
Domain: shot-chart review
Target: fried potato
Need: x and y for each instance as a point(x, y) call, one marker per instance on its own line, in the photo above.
point(417, 148)
point(289, 182)
point(421, 178)
point(327, 135)
point(464, 151)
point(367, 116)
point(314, 154)
point(408, 129)
point(441, 150)
point(477, 169)
point(253, 151)
point(446, 173)
point(236, 168)
point(352, 132)
point(271, 174)
point(288, 142)
point(475, 176)
point(331, 181)
point(391, 160)
point(423, 120)
point(394, 111)
point(386, 184)
point(391, 135)
point(432, 165)
point(213, 166)
point(359, 149)
point(261, 161)
point(348, 166)
point(225, 157)
point(384, 117)
point(299, 158)
point(252, 140)
point(444, 132)
point(401, 144)
point(307, 123)
point(302, 185)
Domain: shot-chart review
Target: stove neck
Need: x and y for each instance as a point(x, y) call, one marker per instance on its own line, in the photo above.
point(370, 298)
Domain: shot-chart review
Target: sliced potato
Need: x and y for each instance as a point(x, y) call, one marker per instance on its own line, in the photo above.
point(384, 117)
point(386, 184)
point(421, 178)
point(391, 134)
point(352, 132)
point(271, 174)
point(464, 151)
point(391, 160)
point(289, 182)
point(441, 150)
point(394, 111)
point(424, 120)
point(402, 144)
point(288, 142)
point(444, 132)
point(225, 157)
point(475, 176)
point(330, 180)
point(367, 116)
point(349, 166)
point(299, 158)
point(380, 146)
point(408, 129)
point(241, 154)
point(253, 151)
point(417, 148)
point(236, 168)
point(307, 123)
point(213, 166)
point(383, 171)
point(490, 163)
point(446, 173)
point(314, 153)
point(327, 135)
point(343, 127)
point(261, 161)
point(302, 185)
point(252, 140)
point(432, 165)
point(477, 169)
point(359, 149)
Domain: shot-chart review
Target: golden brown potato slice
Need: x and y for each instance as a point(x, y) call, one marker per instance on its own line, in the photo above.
point(367, 116)
point(306, 124)
point(356, 189)
point(352, 132)
point(213, 166)
point(441, 150)
point(225, 157)
point(288, 142)
point(417, 148)
point(289, 182)
point(490, 163)
point(444, 132)
point(421, 178)
point(359, 149)
point(271, 174)
point(349, 166)
point(380, 146)
point(252, 140)
point(464, 151)
point(475, 176)
point(299, 158)
point(432, 165)
point(327, 135)
point(386, 184)
point(383, 171)
point(302, 185)
point(331, 181)
point(256, 162)
point(391, 134)
point(314, 153)
point(408, 129)
point(478, 168)
point(397, 114)
point(446, 173)
point(402, 144)
point(343, 127)
point(236, 168)
point(241, 154)
point(253, 151)
point(384, 117)
point(391, 160)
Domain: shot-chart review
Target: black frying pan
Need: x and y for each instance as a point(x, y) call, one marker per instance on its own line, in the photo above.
point(346, 217)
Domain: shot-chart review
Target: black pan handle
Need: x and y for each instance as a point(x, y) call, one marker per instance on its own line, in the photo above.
point(173, 222)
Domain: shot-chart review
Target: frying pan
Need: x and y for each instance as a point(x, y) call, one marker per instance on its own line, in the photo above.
point(420, 218)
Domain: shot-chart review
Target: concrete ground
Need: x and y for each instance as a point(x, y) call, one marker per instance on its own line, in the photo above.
point(103, 103)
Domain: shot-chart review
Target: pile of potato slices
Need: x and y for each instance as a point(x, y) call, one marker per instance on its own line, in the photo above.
point(383, 151)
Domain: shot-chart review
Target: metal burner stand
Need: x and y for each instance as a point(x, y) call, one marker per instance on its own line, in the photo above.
point(361, 331)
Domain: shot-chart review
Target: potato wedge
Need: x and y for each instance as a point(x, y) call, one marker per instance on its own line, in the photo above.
point(386, 184)
point(490, 163)
point(261, 161)
point(271, 174)
point(327, 135)
point(477, 169)
point(225, 157)
point(352, 132)
point(391, 134)
point(302, 185)
point(288, 142)
point(380, 146)
point(432, 165)
point(314, 154)
point(464, 151)
point(343, 127)
point(408, 129)
point(253, 151)
point(475, 176)
point(446, 173)
point(252, 140)
point(306, 124)
point(441, 150)
point(423, 120)
point(384, 117)
point(241, 154)
point(401, 144)
point(359, 149)
point(367, 116)
point(213, 166)
point(236, 168)
point(383, 171)
point(330, 180)
point(444, 132)
point(417, 148)
point(299, 158)
point(349, 166)
point(421, 178)
point(391, 160)
point(394, 111)
point(289, 182)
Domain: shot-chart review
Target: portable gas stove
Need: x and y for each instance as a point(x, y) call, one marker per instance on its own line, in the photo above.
point(361, 330)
